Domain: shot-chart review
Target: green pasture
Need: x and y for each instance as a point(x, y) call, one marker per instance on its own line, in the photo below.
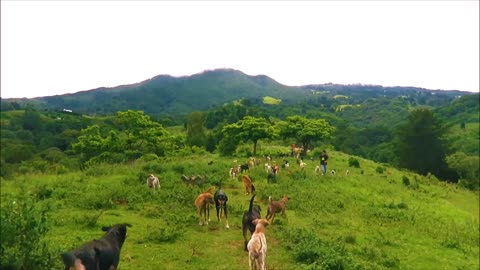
point(376, 217)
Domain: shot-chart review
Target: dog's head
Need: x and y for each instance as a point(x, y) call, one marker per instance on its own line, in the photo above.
point(118, 231)
point(261, 221)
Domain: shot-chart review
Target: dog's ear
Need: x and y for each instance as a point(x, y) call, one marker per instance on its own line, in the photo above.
point(255, 221)
point(106, 228)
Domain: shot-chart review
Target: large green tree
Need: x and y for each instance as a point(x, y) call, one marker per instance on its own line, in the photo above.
point(196, 135)
point(249, 129)
point(304, 130)
point(420, 146)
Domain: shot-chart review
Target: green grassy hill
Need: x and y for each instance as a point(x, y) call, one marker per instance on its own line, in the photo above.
point(376, 217)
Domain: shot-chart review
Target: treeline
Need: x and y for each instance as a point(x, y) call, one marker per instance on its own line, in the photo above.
point(34, 140)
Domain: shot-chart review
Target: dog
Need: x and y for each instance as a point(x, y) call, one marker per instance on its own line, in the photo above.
point(247, 182)
point(203, 202)
point(101, 254)
point(153, 182)
point(244, 167)
point(276, 207)
point(257, 246)
point(249, 216)
point(318, 170)
point(347, 172)
point(221, 199)
point(333, 172)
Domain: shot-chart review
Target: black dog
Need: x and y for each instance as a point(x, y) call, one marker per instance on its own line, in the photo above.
point(249, 216)
point(244, 167)
point(221, 199)
point(102, 254)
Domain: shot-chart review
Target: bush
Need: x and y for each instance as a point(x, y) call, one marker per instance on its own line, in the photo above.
point(405, 181)
point(308, 249)
point(379, 170)
point(353, 162)
point(23, 226)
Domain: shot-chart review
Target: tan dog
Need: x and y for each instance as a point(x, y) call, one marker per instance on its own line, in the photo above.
point(203, 203)
point(276, 207)
point(257, 246)
point(247, 182)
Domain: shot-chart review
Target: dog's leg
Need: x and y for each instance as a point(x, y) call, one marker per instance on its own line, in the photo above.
point(200, 210)
point(226, 215)
point(207, 213)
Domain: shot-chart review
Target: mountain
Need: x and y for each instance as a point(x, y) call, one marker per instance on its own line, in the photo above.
point(169, 95)
point(174, 96)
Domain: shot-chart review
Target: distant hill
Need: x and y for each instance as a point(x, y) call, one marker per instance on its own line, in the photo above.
point(167, 95)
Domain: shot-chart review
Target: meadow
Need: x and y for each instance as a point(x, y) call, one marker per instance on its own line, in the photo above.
point(376, 217)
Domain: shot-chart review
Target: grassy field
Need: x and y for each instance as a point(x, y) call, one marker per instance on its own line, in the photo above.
point(375, 218)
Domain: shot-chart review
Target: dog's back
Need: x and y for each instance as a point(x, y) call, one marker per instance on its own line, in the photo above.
point(257, 246)
point(247, 182)
point(249, 216)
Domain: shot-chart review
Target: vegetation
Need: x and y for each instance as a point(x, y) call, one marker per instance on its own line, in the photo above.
point(64, 174)
point(359, 221)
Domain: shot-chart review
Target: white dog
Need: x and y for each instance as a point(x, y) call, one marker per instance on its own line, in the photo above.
point(153, 182)
point(257, 246)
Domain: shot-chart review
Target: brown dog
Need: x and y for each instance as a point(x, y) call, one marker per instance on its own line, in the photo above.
point(247, 182)
point(257, 246)
point(276, 207)
point(203, 203)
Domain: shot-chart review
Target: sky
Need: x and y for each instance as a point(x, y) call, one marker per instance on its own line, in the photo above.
point(58, 47)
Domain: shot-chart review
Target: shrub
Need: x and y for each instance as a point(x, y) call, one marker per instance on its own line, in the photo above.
point(405, 180)
point(23, 226)
point(308, 249)
point(353, 162)
point(379, 170)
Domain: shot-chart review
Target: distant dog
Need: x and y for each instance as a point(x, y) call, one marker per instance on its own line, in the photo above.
point(333, 172)
point(347, 172)
point(247, 182)
point(318, 170)
point(221, 205)
point(257, 246)
point(249, 216)
point(203, 203)
point(153, 182)
point(233, 172)
point(276, 207)
point(244, 167)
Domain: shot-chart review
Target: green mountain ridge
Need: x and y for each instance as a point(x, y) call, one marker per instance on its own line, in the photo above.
point(168, 95)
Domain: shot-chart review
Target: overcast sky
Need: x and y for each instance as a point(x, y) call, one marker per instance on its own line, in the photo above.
point(57, 47)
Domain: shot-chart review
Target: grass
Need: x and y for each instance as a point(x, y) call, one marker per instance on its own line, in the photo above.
point(366, 220)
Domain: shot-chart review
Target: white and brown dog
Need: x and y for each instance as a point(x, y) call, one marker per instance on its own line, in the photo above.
point(257, 246)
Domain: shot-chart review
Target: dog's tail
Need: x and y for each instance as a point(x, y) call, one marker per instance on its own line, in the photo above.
point(250, 208)
point(269, 199)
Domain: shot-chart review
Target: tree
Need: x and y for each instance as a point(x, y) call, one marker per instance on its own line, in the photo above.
point(249, 129)
point(305, 130)
point(467, 167)
point(195, 129)
point(419, 144)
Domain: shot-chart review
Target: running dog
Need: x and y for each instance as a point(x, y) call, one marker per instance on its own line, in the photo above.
point(247, 182)
point(221, 199)
point(257, 246)
point(276, 207)
point(248, 217)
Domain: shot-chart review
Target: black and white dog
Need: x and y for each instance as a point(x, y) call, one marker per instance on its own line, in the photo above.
point(221, 199)
point(248, 218)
